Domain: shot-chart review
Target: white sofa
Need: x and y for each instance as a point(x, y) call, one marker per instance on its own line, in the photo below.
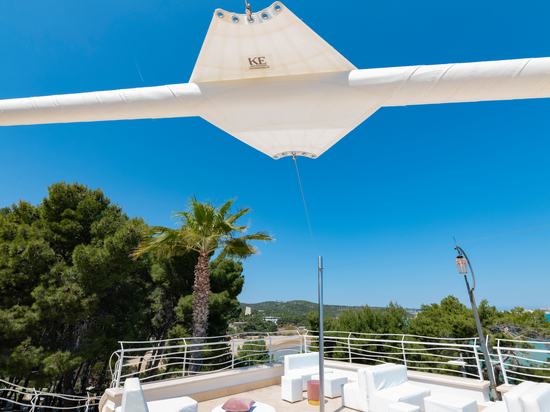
point(390, 385)
point(305, 365)
point(354, 394)
point(536, 398)
point(525, 397)
point(134, 401)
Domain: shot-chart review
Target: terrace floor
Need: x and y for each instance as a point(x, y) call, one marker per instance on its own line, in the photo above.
point(271, 395)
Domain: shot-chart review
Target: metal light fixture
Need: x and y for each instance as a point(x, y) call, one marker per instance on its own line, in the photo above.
point(462, 262)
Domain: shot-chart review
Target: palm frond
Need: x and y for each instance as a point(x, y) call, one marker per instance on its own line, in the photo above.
point(203, 228)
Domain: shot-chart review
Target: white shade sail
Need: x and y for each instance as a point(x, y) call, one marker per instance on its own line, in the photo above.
point(277, 86)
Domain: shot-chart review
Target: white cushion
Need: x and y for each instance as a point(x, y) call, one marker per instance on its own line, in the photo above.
point(449, 403)
point(511, 398)
point(379, 378)
point(291, 388)
point(405, 392)
point(181, 404)
point(536, 398)
point(354, 398)
point(300, 361)
point(354, 394)
point(132, 397)
point(403, 407)
point(498, 406)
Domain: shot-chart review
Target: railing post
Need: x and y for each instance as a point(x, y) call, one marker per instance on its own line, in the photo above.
point(184, 358)
point(349, 347)
point(504, 374)
point(119, 371)
point(87, 401)
point(403, 349)
point(269, 346)
point(34, 398)
point(232, 354)
point(479, 370)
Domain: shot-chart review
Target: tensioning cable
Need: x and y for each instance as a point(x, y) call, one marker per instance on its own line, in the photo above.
point(437, 247)
point(305, 207)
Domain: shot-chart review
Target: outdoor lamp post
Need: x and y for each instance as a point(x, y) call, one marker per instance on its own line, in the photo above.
point(462, 263)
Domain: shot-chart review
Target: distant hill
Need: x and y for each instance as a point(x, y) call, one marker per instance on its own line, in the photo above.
point(302, 308)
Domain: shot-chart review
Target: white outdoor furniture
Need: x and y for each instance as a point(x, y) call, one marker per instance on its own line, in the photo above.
point(257, 407)
point(449, 403)
point(536, 398)
point(305, 365)
point(354, 394)
point(390, 385)
point(512, 397)
point(403, 407)
point(291, 388)
point(333, 384)
point(134, 401)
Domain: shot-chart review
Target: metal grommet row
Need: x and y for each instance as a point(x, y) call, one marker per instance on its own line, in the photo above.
point(235, 19)
point(265, 16)
point(278, 7)
point(220, 15)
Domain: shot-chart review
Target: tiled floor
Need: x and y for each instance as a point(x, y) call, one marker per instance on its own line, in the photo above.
point(271, 395)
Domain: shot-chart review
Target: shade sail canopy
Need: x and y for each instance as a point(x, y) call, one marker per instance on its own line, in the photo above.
point(277, 86)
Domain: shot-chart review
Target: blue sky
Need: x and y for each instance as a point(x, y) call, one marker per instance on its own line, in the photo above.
point(407, 179)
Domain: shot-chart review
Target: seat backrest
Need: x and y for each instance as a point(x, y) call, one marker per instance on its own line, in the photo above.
point(385, 376)
point(132, 397)
point(512, 397)
point(536, 398)
point(301, 360)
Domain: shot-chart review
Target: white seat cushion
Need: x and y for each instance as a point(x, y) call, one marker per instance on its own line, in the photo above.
point(511, 398)
point(291, 388)
point(449, 403)
point(181, 404)
point(536, 398)
point(406, 393)
point(132, 397)
point(354, 394)
point(403, 407)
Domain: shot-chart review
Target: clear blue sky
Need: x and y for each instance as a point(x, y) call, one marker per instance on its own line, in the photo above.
point(407, 179)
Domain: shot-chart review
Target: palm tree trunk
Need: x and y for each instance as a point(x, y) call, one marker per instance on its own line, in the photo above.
point(200, 309)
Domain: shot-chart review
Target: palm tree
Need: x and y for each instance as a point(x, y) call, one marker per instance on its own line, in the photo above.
point(204, 229)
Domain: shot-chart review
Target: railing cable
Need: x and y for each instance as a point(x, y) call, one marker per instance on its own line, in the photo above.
point(437, 247)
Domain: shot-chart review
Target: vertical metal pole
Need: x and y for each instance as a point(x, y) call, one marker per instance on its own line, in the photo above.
point(403, 349)
point(321, 341)
point(184, 358)
point(479, 369)
point(233, 354)
point(119, 372)
point(488, 362)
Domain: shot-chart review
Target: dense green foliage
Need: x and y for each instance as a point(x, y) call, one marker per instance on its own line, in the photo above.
point(295, 308)
point(69, 290)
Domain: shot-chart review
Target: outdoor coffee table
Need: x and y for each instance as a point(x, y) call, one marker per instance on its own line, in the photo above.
point(257, 407)
point(333, 384)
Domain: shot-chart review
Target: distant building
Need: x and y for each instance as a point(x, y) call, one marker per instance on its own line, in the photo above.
point(248, 311)
point(271, 319)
